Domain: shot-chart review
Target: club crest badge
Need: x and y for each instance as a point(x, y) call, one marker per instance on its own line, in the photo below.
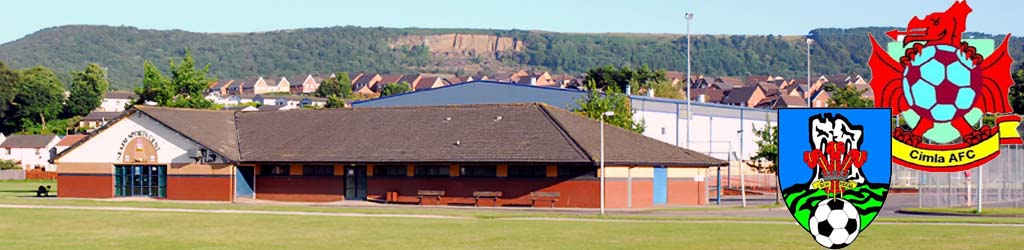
point(941, 88)
point(834, 169)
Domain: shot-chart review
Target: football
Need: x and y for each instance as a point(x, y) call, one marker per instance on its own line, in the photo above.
point(939, 86)
point(835, 223)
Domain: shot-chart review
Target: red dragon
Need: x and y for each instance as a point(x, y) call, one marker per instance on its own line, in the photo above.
point(940, 28)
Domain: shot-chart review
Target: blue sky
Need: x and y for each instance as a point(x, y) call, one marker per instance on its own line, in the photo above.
point(794, 17)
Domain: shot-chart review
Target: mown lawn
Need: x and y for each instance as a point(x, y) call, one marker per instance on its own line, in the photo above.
point(67, 229)
point(993, 211)
point(23, 192)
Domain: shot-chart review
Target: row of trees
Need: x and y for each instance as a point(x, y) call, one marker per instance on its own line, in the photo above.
point(32, 101)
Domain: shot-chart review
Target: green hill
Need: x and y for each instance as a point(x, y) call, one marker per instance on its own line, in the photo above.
point(463, 51)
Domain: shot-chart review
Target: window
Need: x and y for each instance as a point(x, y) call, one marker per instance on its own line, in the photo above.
point(576, 171)
point(8, 150)
point(478, 171)
point(275, 170)
point(39, 151)
point(527, 171)
point(431, 170)
point(390, 170)
point(662, 130)
point(317, 170)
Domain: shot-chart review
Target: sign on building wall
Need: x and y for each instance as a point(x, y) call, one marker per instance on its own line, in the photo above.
point(138, 147)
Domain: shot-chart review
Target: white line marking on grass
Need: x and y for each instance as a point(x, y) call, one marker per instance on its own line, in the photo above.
point(225, 211)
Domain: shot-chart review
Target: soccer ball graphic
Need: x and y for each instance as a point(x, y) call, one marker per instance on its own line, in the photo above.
point(938, 86)
point(835, 223)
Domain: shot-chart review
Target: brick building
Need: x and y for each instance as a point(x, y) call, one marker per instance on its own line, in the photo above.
point(380, 154)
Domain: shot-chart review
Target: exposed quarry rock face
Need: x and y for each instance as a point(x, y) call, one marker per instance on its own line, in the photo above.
point(461, 44)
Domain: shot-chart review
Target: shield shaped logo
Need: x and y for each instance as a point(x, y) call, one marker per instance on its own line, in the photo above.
point(834, 169)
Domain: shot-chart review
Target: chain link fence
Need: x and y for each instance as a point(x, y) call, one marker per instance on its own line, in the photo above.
point(1001, 183)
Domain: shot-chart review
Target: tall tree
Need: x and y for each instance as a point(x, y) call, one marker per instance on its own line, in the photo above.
point(39, 97)
point(340, 85)
point(595, 103)
point(1017, 91)
point(641, 78)
point(183, 90)
point(766, 159)
point(8, 89)
point(155, 87)
point(87, 89)
point(395, 88)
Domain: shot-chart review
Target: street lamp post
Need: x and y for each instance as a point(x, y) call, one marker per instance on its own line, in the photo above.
point(608, 113)
point(809, 42)
point(689, 118)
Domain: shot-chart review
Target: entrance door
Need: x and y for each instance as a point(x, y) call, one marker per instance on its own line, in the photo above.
point(355, 182)
point(660, 185)
point(245, 181)
point(140, 180)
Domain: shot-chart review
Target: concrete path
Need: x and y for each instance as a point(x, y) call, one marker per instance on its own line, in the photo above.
point(330, 214)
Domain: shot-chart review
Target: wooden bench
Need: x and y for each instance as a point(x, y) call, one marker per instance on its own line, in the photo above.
point(485, 194)
point(435, 193)
point(553, 196)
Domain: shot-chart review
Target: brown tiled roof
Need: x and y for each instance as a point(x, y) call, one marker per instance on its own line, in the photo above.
point(214, 129)
point(466, 133)
point(101, 116)
point(221, 84)
point(69, 140)
point(426, 82)
point(363, 81)
point(386, 79)
point(710, 95)
point(791, 101)
point(297, 80)
point(411, 79)
point(27, 141)
point(740, 95)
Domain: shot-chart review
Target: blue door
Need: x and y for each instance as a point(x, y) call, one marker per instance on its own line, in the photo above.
point(660, 185)
point(244, 181)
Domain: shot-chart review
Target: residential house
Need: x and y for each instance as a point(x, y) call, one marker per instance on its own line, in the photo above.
point(271, 85)
point(385, 80)
point(220, 87)
point(457, 79)
point(749, 96)
point(707, 95)
point(789, 101)
point(302, 84)
point(94, 120)
point(537, 79)
point(115, 101)
point(30, 151)
point(247, 86)
point(513, 77)
point(820, 99)
point(428, 83)
point(413, 80)
point(675, 77)
point(566, 81)
point(366, 84)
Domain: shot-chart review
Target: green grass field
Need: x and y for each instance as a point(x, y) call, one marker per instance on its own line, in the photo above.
point(77, 229)
point(992, 211)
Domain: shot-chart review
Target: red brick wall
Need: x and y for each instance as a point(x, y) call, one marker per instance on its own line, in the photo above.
point(515, 191)
point(300, 188)
point(686, 192)
point(85, 186)
point(616, 193)
point(207, 188)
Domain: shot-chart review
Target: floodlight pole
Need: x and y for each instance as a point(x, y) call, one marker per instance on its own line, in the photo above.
point(608, 113)
point(743, 181)
point(689, 118)
point(981, 191)
point(808, 90)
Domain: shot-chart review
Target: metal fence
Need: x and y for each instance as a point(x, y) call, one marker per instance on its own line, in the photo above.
point(1000, 182)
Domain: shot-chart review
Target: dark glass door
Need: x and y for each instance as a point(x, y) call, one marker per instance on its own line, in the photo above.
point(140, 180)
point(355, 182)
